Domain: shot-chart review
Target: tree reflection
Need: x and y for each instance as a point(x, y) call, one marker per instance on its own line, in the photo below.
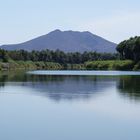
point(129, 86)
point(71, 87)
point(58, 87)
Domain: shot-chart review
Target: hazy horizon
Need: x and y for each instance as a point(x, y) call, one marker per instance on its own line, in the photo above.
point(25, 20)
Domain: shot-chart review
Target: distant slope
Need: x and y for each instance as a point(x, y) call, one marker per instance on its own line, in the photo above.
point(67, 41)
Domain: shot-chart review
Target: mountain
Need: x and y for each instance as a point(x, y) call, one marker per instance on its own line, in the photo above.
point(67, 41)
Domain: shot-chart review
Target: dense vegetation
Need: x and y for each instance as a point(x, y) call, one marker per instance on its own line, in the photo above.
point(110, 65)
point(54, 56)
point(48, 59)
point(127, 58)
point(130, 49)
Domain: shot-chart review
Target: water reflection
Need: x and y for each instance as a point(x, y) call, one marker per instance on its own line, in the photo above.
point(70, 87)
point(129, 86)
point(57, 87)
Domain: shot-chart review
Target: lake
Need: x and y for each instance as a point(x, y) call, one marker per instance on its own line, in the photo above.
point(70, 105)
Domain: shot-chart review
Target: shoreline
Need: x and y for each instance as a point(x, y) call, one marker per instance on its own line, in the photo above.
point(108, 65)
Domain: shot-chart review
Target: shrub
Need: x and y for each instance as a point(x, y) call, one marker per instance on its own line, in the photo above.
point(110, 65)
point(137, 66)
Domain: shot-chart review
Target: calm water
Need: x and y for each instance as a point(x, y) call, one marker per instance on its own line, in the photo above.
point(70, 105)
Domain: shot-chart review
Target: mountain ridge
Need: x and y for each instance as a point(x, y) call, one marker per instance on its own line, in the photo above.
point(67, 41)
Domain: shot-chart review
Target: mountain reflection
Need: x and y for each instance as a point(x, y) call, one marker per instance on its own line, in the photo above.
point(70, 87)
point(58, 87)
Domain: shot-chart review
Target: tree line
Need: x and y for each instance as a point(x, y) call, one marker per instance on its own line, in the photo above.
point(54, 56)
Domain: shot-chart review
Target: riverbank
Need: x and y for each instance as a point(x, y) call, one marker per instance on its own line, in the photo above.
point(90, 65)
point(112, 65)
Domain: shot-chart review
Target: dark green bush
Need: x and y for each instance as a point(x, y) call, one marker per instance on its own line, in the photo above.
point(110, 65)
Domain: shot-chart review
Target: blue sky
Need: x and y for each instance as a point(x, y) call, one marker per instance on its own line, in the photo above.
point(26, 19)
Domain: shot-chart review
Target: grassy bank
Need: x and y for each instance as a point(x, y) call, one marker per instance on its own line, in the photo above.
point(90, 65)
point(111, 65)
point(29, 65)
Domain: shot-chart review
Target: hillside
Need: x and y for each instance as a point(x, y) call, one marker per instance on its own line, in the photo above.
point(67, 41)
